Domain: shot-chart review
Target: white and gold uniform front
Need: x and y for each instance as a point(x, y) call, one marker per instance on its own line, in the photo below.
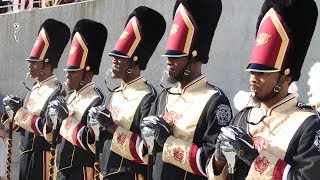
point(74, 160)
point(287, 136)
point(197, 113)
point(29, 121)
point(119, 154)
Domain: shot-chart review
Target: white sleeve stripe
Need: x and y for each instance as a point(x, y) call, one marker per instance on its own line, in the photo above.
point(37, 127)
point(79, 137)
point(198, 160)
point(286, 172)
point(138, 141)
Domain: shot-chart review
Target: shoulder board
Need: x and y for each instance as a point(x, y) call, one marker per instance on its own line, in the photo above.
point(302, 105)
point(99, 92)
point(59, 84)
point(247, 108)
point(215, 88)
point(152, 89)
point(113, 90)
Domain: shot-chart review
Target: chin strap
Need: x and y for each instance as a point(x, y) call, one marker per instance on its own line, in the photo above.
point(82, 79)
point(277, 87)
point(130, 65)
point(187, 69)
point(44, 62)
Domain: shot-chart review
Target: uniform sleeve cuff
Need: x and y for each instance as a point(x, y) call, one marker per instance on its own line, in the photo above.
point(72, 131)
point(183, 154)
point(126, 144)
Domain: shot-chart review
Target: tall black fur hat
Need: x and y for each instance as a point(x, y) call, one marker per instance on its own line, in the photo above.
point(89, 39)
point(204, 16)
point(300, 17)
point(143, 31)
point(52, 39)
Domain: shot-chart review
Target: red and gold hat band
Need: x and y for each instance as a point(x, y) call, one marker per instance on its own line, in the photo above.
point(129, 40)
point(182, 34)
point(40, 47)
point(272, 44)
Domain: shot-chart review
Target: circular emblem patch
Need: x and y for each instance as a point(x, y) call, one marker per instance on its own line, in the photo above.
point(317, 140)
point(223, 114)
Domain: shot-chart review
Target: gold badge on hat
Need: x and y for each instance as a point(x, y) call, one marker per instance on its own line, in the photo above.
point(287, 72)
point(124, 35)
point(262, 39)
point(194, 53)
point(88, 68)
point(174, 29)
point(135, 58)
point(73, 49)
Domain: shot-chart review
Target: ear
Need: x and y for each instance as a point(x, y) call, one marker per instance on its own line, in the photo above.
point(288, 80)
point(89, 75)
point(49, 66)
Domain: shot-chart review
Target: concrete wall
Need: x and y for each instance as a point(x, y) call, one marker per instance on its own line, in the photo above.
point(230, 49)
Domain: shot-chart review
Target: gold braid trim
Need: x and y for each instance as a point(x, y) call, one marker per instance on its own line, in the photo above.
point(51, 166)
point(9, 155)
point(96, 170)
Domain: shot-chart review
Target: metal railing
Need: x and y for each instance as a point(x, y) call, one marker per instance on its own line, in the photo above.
point(15, 6)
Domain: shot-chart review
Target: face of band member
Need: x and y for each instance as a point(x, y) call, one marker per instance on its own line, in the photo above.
point(262, 84)
point(119, 67)
point(34, 69)
point(176, 67)
point(73, 79)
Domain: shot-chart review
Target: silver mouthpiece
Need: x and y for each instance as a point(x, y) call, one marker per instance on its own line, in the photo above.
point(25, 79)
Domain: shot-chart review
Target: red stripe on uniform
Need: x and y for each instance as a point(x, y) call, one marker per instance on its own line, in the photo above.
point(132, 147)
point(75, 133)
point(33, 125)
point(193, 159)
point(15, 128)
point(278, 170)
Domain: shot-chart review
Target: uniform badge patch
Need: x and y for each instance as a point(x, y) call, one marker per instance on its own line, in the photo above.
point(68, 125)
point(31, 103)
point(317, 140)
point(178, 154)
point(223, 114)
point(24, 116)
point(115, 111)
point(121, 137)
point(260, 143)
point(261, 164)
point(171, 117)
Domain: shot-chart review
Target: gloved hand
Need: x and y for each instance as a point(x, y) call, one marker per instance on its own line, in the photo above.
point(57, 111)
point(99, 117)
point(160, 127)
point(11, 103)
point(241, 142)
